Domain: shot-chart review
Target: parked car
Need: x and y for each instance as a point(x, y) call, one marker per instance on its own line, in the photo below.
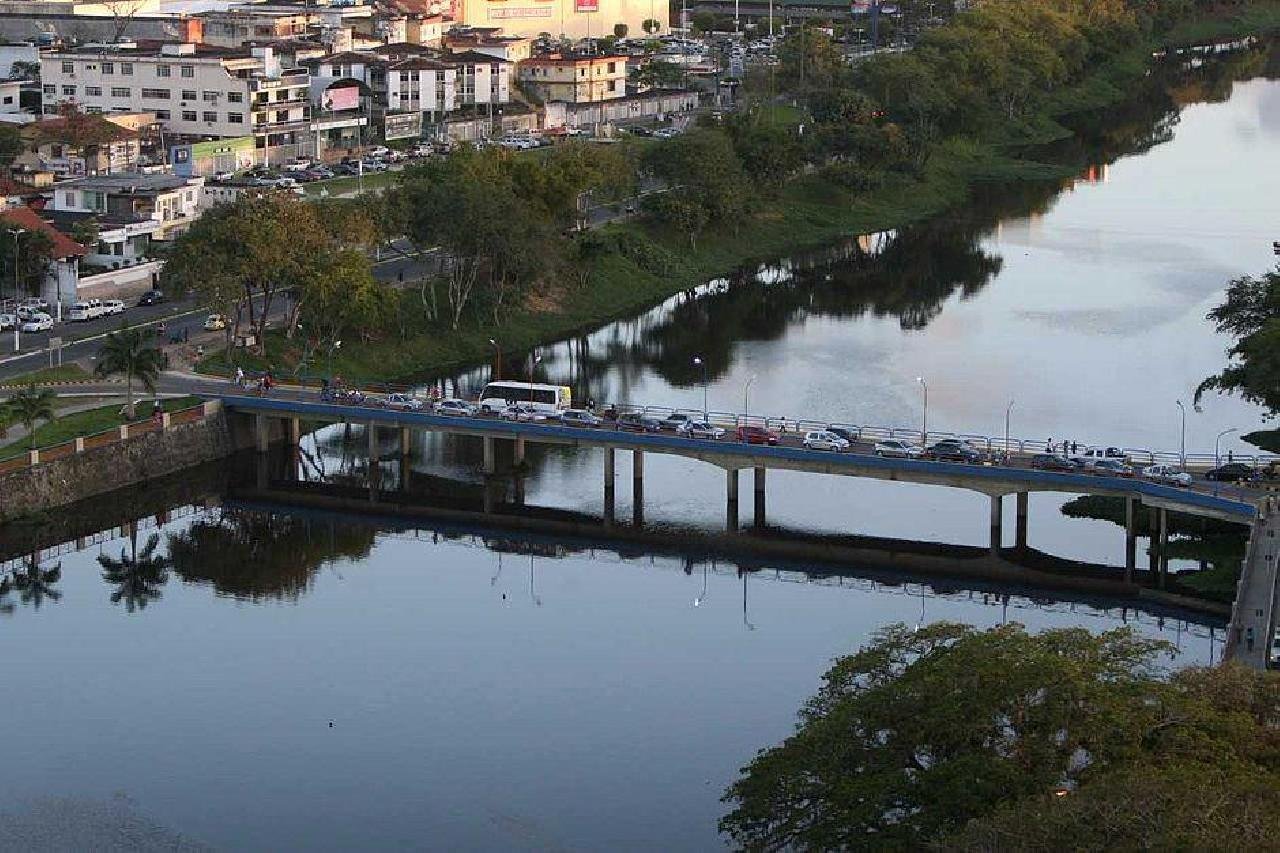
point(821, 439)
point(111, 307)
point(1110, 468)
point(523, 412)
point(378, 151)
point(954, 450)
point(35, 303)
point(7, 322)
point(222, 177)
point(849, 434)
point(637, 422)
point(896, 448)
point(675, 420)
point(1049, 462)
point(700, 429)
point(457, 408)
point(1231, 472)
point(1274, 662)
point(403, 402)
point(757, 435)
point(38, 323)
point(27, 312)
point(1168, 474)
point(579, 417)
point(82, 312)
point(215, 323)
point(152, 297)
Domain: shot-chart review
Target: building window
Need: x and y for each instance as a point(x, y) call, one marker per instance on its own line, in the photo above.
point(613, 66)
point(188, 94)
point(210, 117)
point(188, 71)
point(121, 91)
point(157, 94)
point(282, 116)
point(235, 97)
point(69, 90)
point(50, 89)
point(188, 115)
point(235, 118)
point(126, 68)
point(93, 91)
point(209, 97)
point(164, 71)
point(68, 68)
point(162, 115)
point(108, 68)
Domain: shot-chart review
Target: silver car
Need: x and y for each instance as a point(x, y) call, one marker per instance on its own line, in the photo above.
point(821, 439)
point(896, 448)
point(700, 429)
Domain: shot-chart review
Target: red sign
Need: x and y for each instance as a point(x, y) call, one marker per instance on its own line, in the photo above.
point(586, 5)
point(346, 98)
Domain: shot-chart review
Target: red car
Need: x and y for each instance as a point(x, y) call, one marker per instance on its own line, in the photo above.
point(757, 435)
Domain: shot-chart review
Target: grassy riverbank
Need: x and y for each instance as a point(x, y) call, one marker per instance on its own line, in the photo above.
point(637, 264)
point(89, 422)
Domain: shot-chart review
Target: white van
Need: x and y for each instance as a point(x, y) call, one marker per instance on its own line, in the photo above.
point(81, 312)
point(112, 307)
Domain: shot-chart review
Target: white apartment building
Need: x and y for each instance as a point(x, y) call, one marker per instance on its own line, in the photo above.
point(170, 200)
point(482, 78)
point(194, 91)
point(422, 85)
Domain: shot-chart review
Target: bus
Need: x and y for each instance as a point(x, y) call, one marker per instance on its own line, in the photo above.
point(550, 399)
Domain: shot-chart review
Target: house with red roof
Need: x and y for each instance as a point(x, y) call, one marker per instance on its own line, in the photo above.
point(61, 280)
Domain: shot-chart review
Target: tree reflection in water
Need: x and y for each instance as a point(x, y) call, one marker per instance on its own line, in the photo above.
point(138, 576)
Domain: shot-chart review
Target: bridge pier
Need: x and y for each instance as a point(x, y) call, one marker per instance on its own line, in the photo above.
point(609, 473)
point(637, 488)
point(1153, 547)
point(1164, 547)
point(1020, 529)
point(490, 463)
point(406, 443)
point(759, 495)
point(295, 432)
point(997, 522)
point(375, 463)
point(519, 452)
point(1130, 538)
point(731, 499)
point(262, 433)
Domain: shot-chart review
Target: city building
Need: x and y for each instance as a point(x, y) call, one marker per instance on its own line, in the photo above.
point(62, 275)
point(574, 19)
point(422, 85)
point(513, 49)
point(575, 79)
point(482, 78)
point(173, 201)
point(79, 144)
point(121, 242)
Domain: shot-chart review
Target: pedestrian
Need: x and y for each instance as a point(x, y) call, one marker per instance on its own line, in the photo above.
point(1073, 448)
point(1248, 637)
point(591, 404)
point(1230, 457)
point(240, 377)
point(1048, 445)
point(186, 335)
point(400, 276)
point(157, 416)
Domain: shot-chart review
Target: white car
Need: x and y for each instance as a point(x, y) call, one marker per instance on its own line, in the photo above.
point(458, 408)
point(39, 323)
point(403, 402)
point(896, 448)
point(222, 177)
point(700, 429)
point(821, 439)
point(35, 303)
point(1167, 474)
point(215, 323)
point(524, 413)
point(7, 322)
point(111, 307)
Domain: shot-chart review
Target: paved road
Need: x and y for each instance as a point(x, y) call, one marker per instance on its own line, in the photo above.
point(1253, 618)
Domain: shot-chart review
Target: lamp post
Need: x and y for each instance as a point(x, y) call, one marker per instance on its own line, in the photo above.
point(698, 360)
point(1182, 441)
point(337, 345)
point(533, 362)
point(1228, 431)
point(17, 324)
point(924, 424)
point(497, 359)
point(745, 389)
point(1007, 412)
point(702, 596)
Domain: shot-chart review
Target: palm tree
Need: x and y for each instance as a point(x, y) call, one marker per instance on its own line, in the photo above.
point(30, 405)
point(128, 352)
point(35, 585)
point(138, 576)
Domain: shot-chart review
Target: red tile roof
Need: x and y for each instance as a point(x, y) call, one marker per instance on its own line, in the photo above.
point(28, 219)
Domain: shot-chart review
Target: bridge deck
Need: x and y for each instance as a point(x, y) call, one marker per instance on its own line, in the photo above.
point(1254, 612)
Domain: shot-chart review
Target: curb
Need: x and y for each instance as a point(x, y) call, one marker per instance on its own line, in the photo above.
point(61, 384)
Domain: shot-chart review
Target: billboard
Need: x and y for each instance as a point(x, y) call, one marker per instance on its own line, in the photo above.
point(217, 155)
point(402, 126)
point(586, 5)
point(338, 100)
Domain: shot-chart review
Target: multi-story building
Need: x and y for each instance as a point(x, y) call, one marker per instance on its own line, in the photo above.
point(78, 144)
point(575, 79)
point(195, 91)
point(571, 18)
point(170, 200)
point(482, 78)
point(513, 49)
point(266, 22)
point(422, 85)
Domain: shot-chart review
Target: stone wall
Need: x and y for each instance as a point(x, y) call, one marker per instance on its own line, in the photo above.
point(104, 469)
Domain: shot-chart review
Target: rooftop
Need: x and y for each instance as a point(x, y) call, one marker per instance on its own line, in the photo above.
point(27, 219)
point(129, 183)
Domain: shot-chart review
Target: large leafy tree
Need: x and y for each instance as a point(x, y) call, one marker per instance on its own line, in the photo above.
point(129, 352)
point(706, 178)
point(30, 405)
point(1251, 315)
point(923, 731)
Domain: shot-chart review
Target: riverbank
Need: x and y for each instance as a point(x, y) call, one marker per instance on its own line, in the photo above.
point(628, 267)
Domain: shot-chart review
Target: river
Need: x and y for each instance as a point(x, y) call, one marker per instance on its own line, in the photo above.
point(303, 681)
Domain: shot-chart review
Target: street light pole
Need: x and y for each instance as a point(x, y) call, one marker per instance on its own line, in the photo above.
point(746, 388)
point(533, 362)
point(1216, 460)
point(1182, 442)
point(698, 360)
point(337, 345)
point(1007, 412)
point(497, 359)
point(924, 424)
point(17, 324)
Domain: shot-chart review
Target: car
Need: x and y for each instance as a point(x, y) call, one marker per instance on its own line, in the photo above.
point(152, 297)
point(403, 402)
point(346, 169)
point(896, 448)
point(579, 417)
point(222, 177)
point(1168, 474)
point(378, 151)
point(954, 450)
point(1110, 468)
point(7, 322)
point(849, 434)
point(637, 422)
point(215, 323)
point(296, 167)
point(82, 312)
point(822, 439)
point(675, 420)
point(757, 435)
point(35, 303)
point(1274, 662)
point(454, 407)
point(27, 312)
point(700, 429)
point(523, 412)
point(111, 307)
point(1049, 462)
point(1231, 472)
point(39, 323)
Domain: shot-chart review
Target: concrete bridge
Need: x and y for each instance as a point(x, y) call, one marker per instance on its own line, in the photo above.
point(995, 481)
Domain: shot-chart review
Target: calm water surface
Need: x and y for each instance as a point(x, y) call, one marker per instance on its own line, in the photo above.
point(296, 682)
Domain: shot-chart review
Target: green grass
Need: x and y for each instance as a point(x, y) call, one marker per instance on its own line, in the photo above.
point(88, 422)
point(335, 186)
point(62, 373)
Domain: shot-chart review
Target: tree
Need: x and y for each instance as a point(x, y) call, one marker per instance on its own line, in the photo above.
point(660, 74)
point(30, 405)
point(137, 576)
point(707, 171)
point(923, 731)
point(35, 584)
point(11, 145)
point(808, 58)
point(31, 251)
point(129, 352)
point(651, 26)
point(86, 231)
point(1250, 314)
point(620, 31)
point(25, 70)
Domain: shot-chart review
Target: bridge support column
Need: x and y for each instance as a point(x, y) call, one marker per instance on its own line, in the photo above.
point(519, 452)
point(997, 522)
point(731, 499)
point(1130, 538)
point(1020, 531)
point(261, 433)
point(490, 465)
point(1164, 547)
point(759, 495)
point(610, 462)
point(406, 443)
point(637, 488)
point(1153, 549)
point(295, 432)
point(375, 464)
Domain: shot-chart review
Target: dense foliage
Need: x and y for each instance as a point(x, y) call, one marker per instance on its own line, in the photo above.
point(1000, 739)
point(1251, 315)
